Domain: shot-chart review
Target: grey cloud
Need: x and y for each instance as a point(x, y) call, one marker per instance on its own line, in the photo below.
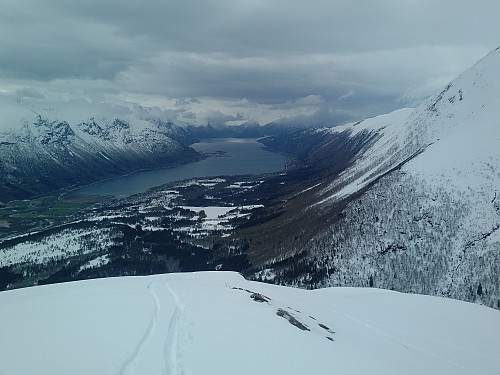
point(27, 92)
point(348, 95)
point(308, 101)
point(186, 116)
point(217, 118)
point(261, 27)
point(263, 80)
point(45, 65)
point(38, 42)
point(186, 102)
point(323, 117)
point(280, 54)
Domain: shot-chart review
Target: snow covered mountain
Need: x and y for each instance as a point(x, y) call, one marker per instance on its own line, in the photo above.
point(418, 209)
point(40, 151)
point(218, 322)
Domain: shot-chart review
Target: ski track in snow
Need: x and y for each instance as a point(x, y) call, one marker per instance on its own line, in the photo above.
point(129, 366)
point(163, 327)
point(171, 344)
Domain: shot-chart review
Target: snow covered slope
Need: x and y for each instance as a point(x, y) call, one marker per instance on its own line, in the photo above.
point(219, 323)
point(420, 205)
point(453, 138)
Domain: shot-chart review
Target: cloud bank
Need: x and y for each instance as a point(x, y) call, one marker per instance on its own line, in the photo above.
point(247, 60)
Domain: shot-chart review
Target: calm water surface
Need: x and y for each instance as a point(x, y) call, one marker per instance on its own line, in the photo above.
point(246, 156)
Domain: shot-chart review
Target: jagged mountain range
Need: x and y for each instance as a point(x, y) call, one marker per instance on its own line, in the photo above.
point(42, 153)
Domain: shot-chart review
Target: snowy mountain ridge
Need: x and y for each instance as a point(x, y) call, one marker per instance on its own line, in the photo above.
point(40, 152)
point(218, 322)
point(419, 205)
point(27, 122)
point(459, 126)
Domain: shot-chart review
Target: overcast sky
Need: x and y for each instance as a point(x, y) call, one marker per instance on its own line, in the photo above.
point(233, 61)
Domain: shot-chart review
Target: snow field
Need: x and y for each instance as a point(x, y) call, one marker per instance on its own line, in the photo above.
point(214, 322)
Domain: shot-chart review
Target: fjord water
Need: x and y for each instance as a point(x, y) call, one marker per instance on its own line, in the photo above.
point(244, 156)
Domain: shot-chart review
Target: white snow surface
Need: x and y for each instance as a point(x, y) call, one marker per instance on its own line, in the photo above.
point(96, 262)
point(378, 159)
point(217, 217)
point(207, 323)
point(464, 134)
point(455, 136)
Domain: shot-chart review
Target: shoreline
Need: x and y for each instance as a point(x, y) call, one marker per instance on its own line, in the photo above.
point(203, 154)
point(60, 196)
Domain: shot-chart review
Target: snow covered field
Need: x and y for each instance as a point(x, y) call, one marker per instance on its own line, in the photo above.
point(219, 323)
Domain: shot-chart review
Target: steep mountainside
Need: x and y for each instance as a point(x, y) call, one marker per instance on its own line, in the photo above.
point(41, 153)
point(220, 323)
point(419, 208)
